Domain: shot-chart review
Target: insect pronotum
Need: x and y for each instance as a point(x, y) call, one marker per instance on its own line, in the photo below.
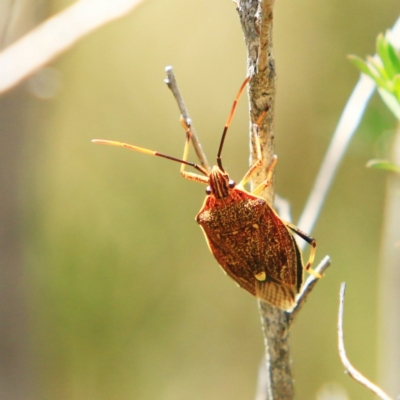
point(246, 236)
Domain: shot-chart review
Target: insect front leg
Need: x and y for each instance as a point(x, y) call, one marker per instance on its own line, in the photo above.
point(190, 175)
point(312, 242)
point(267, 181)
point(258, 163)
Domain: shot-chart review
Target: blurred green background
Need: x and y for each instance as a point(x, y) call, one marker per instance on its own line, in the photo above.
point(120, 297)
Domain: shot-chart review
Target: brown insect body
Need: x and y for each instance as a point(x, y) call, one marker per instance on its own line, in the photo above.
point(250, 242)
point(247, 238)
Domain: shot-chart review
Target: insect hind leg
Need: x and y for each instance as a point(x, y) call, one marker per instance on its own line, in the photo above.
point(312, 242)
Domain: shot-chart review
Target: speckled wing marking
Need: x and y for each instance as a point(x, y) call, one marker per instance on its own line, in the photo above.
point(279, 255)
point(248, 238)
point(233, 236)
point(274, 293)
point(232, 265)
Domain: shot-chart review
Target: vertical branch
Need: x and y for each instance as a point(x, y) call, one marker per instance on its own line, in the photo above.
point(275, 325)
point(256, 17)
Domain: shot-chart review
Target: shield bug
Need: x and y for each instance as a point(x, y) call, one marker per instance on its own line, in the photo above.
point(246, 236)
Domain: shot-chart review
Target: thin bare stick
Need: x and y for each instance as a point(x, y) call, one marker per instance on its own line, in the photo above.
point(342, 352)
point(55, 35)
point(170, 80)
point(309, 285)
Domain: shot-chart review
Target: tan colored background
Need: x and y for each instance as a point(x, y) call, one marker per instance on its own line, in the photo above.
point(124, 299)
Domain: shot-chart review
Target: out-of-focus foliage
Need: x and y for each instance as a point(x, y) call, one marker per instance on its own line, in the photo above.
point(125, 299)
point(384, 69)
point(383, 164)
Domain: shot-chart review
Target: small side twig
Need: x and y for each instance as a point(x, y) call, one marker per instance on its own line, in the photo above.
point(342, 352)
point(170, 80)
point(309, 285)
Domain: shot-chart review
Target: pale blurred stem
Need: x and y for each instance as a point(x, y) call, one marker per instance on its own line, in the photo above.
point(56, 35)
point(389, 298)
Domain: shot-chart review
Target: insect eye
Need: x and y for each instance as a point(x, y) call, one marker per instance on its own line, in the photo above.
point(208, 190)
point(231, 184)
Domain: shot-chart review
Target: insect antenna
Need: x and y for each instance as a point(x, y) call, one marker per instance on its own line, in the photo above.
point(150, 152)
point(228, 122)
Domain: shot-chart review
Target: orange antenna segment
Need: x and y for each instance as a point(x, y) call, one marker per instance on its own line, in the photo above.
point(228, 122)
point(150, 152)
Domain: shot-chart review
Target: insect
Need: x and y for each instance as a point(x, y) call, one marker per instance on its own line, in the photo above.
point(246, 236)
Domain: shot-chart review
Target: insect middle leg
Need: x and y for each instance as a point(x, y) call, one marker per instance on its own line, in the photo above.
point(258, 163)
point(312, 242)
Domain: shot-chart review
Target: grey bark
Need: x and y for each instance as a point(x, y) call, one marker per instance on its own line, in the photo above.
point(256, 17)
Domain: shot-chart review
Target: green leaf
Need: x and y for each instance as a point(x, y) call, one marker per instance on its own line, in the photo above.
point(382, 48)
point(394, 56)
point(384, 69)
point(379, 67)
point(396, 87)
point(368, 69)
point(391, 102)
point(361, 65)
point(383, 164)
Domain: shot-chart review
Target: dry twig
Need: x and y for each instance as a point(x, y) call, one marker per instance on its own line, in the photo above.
point(309, 285)
point(342, 352)
point(170, 80)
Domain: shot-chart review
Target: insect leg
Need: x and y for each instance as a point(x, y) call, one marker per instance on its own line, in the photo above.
point(312, 242)
point(190, 175)
point(267, 181)
point(258, 163)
